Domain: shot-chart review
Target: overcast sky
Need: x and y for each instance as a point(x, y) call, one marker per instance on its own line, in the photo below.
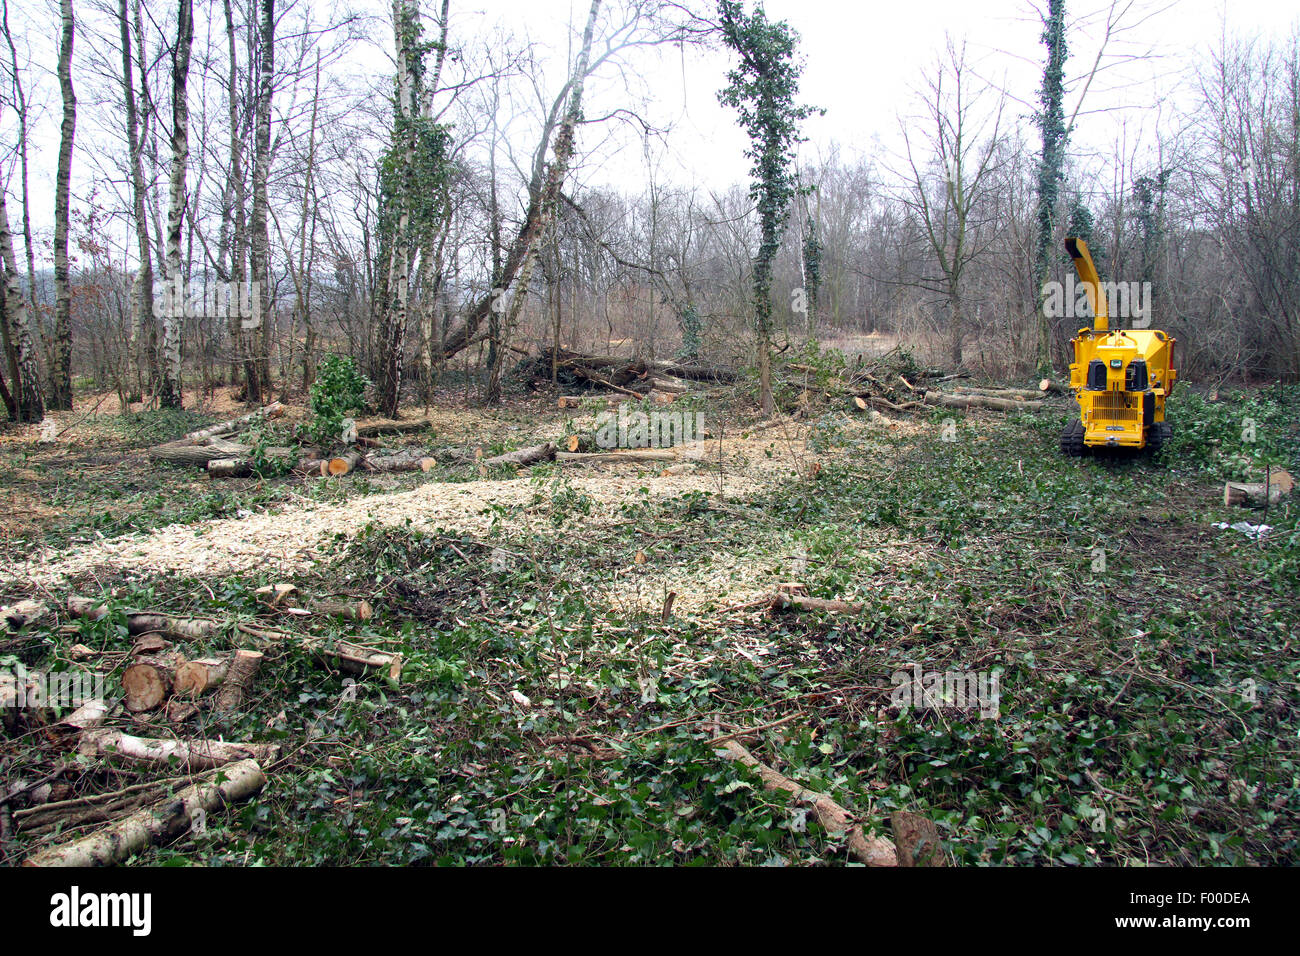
point(864, 60)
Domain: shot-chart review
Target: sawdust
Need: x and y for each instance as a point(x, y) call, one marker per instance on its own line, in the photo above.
point(291, 540)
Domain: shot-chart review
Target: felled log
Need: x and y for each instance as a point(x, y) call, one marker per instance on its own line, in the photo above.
point(141, 622)
point(402, 461)
point(524, 456)
point(239, 678)
point(784, 603)
point(979, 401)
point(198, 455)
point(359, 611)
point(234, 425)
point(1015, 394)
point(1048, 387)
point(341, 465)
point(195, 678)
point(871, 850)
point(239, 467)
point(568, 401)
point(346, 656)
point(146, 684)
point(374, 429)
point(188, 755)
point(1278, 485)
point(627, 456)
point(115, 843)
point(22, 613)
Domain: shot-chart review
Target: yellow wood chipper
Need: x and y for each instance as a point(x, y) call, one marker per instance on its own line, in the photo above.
point(1120, 377)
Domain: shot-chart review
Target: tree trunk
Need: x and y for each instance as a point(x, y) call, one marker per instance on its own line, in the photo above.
point(261, 237)
point(142, 300)
point(170, 394)
point(61, 364)
point(29, 402)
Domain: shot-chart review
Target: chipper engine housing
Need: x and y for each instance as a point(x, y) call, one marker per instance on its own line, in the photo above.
point(1120, 377)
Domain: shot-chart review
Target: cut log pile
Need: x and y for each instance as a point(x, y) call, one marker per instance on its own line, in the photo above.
point(658, 381)
point(887, 384)
point(159, 675)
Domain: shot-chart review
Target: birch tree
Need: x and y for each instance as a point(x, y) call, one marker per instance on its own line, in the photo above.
point(170, 391)
point(28, 401)
point(61, 359)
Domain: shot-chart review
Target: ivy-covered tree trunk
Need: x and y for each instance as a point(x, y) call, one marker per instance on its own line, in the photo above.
point(406, 33)
point(1051, 165)
point(762, 89)
point(61, 359)
point(170, 390)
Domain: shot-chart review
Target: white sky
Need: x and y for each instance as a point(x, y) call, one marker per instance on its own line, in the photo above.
point(863, 61)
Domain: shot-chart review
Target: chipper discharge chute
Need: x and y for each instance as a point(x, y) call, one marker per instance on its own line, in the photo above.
point(1120, 377)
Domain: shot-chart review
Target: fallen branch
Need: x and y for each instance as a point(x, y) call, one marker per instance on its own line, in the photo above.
point(871, 850)
point(121, 840)
point(188, 755)
point(979, 401)
point(141, 622)
point(272, 411)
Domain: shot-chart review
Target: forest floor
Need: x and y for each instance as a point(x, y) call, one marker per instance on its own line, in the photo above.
point(555, 706)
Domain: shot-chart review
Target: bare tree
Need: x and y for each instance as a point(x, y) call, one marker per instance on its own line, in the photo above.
point(946, 185)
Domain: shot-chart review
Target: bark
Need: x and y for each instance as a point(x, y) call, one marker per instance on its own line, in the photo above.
point(142, 622)
point(61, 360)
point(261, 237)
point(239, 678)
point(253, 386)
point(188, 755)
point(631, 456)
point(170, 393)
point(524, 456)
point(29, 401)
point(142, 301)
point(200, 455)
point(917, 840)
point(154, 825)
